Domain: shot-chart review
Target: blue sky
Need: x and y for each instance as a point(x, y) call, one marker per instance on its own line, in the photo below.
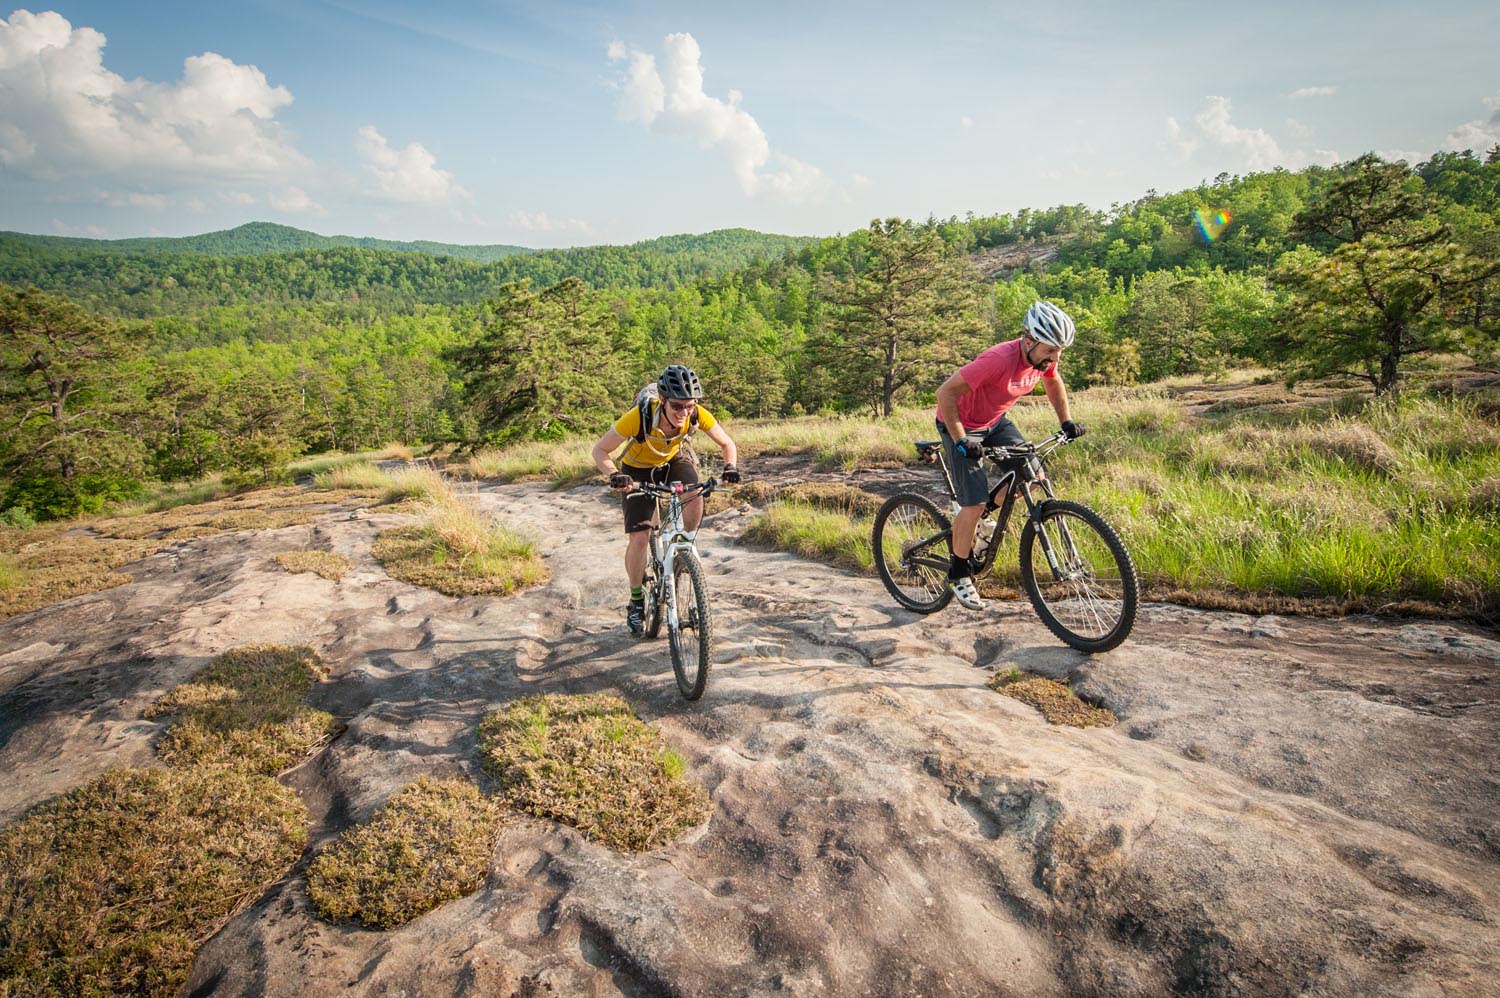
point(571, 123)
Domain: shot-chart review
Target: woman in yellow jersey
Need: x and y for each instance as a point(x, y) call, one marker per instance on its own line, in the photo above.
point(656, 455)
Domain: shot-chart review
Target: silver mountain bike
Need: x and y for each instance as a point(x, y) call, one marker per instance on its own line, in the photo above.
point(1074, 567)
point(674, 586)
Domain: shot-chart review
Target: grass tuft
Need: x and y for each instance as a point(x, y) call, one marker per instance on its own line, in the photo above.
point(589, 762)
point(428, 844)
point(325, 563)
point(110, 888)
point(811, 531)
point(245, 710)
point(458, 551)
point(1056, 701)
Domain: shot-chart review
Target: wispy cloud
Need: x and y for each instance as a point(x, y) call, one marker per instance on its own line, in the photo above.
point(64, 229)
point(409, 175)
point(540, 221)
point(1214, 134)
point(295, 201)
point(64, 113)
point(670, 98)
point(1307, 92)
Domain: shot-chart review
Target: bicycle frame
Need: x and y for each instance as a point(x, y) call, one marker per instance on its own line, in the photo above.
point(1010, 485)
point(669, 537)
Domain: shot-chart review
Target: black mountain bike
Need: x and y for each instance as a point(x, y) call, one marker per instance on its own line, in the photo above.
point(1074, 567)
point(674, 586)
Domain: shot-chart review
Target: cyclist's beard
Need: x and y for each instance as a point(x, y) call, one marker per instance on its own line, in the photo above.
point(1040, 367)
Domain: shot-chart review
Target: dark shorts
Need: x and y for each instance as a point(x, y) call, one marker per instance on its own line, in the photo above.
point(641, 509)
point(970, 483)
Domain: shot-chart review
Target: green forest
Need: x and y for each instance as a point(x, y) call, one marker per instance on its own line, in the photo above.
point(157, 360)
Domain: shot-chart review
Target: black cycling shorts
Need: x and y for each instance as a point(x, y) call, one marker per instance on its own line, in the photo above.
point(640, 509)
point(970, 484)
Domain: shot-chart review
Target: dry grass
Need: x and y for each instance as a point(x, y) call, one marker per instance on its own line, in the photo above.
point(588, 762)
point(1354, 445)
point(110, 888)
point(246, 710)
point(429, 844)
point(1056, 701)
point(1484, 496)
point(459, 552)
point(325, 563)
point(45, 565)
point(57, 561)
point(565, 462)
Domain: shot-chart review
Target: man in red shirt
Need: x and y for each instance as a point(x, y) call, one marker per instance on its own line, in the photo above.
point(971, 407)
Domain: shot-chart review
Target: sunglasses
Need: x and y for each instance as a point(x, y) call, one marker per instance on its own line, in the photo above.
point(682, 406)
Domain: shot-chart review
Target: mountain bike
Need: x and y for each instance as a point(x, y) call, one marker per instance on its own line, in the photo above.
point(674, 587)
point(1074, 567)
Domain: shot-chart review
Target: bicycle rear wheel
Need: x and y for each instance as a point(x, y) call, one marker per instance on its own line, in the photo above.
point(692, 639)
point(910, 542)
point(1089, 600)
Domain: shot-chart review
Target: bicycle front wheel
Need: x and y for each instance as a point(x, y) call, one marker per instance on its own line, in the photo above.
point(653, 595)
point(910, 543)
point(692, 638)
point(1079, 576)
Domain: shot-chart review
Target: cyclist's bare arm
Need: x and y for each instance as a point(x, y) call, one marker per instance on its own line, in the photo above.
point(1057, 394)
point(603, 450)
point(948, 394)
point(718, 436)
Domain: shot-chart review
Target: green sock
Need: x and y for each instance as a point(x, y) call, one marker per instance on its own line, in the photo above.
point(637, 595)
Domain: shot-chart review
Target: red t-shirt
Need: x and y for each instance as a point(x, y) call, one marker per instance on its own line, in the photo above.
point(996, 378)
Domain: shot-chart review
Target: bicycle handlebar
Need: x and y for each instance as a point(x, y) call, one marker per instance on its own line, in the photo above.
point(671, 489)
point(1039, 449)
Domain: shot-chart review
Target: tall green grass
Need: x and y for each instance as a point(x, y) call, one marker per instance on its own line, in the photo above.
point(1386, 503)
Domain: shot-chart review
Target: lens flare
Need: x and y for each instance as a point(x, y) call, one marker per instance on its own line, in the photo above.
point(1212, 222)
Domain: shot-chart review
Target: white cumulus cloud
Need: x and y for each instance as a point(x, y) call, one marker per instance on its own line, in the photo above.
point(409, 175)
point(540, 221)
point(295, 201)
point(670, 98)
point(63, 113)
point(1215, 136)
point(1480, 136)
point(1307, 92)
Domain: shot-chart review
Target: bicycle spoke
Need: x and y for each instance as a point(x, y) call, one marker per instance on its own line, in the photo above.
point(1086, 595)
point(910, 543)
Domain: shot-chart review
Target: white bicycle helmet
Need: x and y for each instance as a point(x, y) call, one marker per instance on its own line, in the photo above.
point(1046, 323)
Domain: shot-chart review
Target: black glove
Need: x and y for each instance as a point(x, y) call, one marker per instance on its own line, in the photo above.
point(970, 445)
point(621, 482)
point(1072, 429)
point(730, 475)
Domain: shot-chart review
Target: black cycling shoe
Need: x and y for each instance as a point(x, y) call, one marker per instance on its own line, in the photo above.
point(635, 617)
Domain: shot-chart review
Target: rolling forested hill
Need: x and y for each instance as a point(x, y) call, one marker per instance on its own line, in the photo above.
point(261, 262)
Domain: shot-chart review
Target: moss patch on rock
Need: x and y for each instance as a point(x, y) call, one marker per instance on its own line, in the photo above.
point(246, 710)
point(325, 563)
point(428, 844)
point(1056, 701)
point(589, 762)
point(110, 888)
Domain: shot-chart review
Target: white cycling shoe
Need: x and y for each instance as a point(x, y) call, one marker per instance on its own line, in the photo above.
point(966, 593)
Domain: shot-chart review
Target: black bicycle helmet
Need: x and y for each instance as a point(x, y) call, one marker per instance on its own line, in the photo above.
point(678, 382)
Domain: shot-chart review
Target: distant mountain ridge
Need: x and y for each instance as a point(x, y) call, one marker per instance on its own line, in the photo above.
point(263, 262)
point(266, 238)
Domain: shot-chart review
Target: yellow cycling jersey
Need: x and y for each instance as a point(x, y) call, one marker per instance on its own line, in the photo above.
point(658, 448)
